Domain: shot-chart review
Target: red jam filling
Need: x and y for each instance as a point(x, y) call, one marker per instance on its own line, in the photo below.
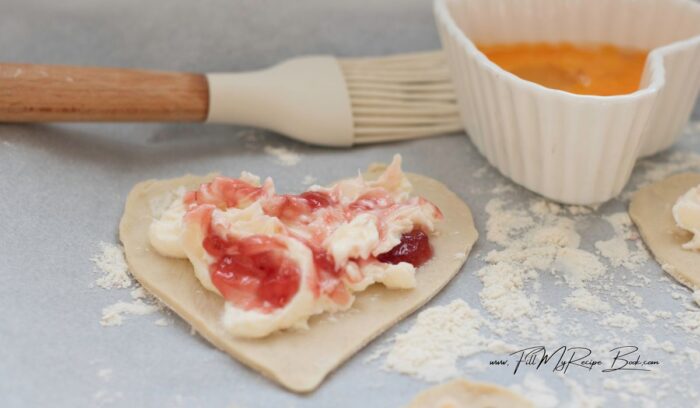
point(414, 248)
point(252, 272)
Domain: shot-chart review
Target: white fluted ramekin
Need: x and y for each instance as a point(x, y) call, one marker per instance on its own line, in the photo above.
point(576, 149)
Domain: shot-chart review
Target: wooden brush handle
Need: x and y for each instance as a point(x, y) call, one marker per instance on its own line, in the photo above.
point(56, 93)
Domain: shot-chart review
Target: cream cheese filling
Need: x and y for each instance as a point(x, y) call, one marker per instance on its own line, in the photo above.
point(352, 243)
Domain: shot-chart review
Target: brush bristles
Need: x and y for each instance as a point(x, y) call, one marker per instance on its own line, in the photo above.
point(401, 97)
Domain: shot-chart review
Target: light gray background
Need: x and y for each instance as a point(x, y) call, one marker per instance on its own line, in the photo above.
point(62, 190)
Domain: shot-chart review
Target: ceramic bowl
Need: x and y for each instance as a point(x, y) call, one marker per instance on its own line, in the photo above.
point(577, 149)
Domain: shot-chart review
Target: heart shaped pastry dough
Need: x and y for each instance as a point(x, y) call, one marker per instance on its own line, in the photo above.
point(298, 360)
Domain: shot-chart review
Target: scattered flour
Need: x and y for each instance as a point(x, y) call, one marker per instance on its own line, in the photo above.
point(582, 299)
point(528, 241)
point(689, 321)
point(503, 295)
point(116, 275)
point(538, 237)
point(621, 321)
point(578, 266)
point(693, 356)
point(614, 249)
point(544, 207)
point(617, 250)
point(283, 155)
point(111, 262)
point(440, 336)
point(650, 342)
point(114, 315)
point(139, 293)
point(503, 225)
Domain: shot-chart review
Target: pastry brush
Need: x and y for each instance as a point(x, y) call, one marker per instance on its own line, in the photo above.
point(319, 99)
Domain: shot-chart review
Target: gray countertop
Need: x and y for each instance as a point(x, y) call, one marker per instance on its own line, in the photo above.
point(62, 190)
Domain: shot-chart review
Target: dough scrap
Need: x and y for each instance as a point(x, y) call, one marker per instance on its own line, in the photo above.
point(467, 394)
point(298, 360)
point(650, 210)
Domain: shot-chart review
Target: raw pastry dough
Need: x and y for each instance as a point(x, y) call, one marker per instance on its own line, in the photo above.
point(467, 394)
point(650, 210)
point(299, 360)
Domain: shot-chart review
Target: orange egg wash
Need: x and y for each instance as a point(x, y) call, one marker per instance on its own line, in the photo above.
point(602, 70)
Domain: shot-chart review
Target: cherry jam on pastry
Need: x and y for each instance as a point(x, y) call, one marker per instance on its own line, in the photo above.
point(252, 272)
point(414, 248)
point(256, 271)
